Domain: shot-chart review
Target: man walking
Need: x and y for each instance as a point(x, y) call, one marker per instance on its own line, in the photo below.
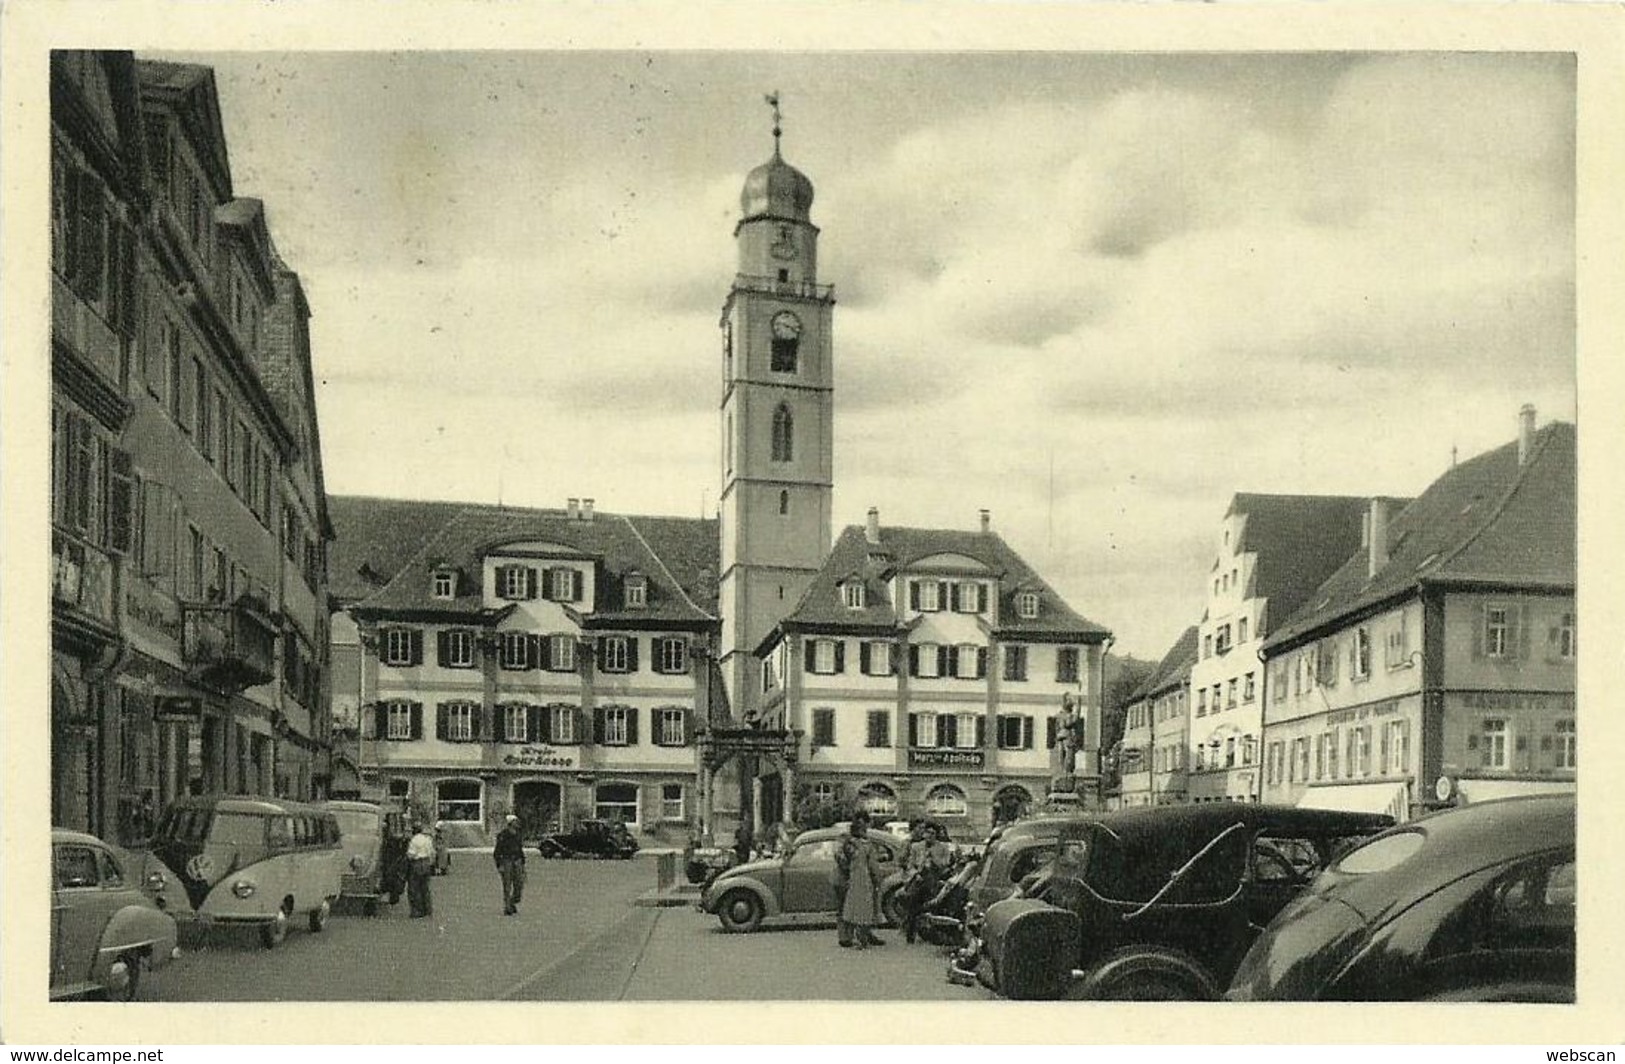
point(510, 859)
point(419, 866)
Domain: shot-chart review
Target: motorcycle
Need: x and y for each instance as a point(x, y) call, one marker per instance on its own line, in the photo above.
point(942, 918)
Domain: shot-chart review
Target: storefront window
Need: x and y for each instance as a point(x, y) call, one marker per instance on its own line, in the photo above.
point(458, 800)
point(616, 801)
point(878, 800)
point(945, 800)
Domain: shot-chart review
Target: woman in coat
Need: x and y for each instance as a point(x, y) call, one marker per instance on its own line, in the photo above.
point(860, 909)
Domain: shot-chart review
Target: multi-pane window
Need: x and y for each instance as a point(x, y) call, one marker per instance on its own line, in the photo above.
point(671, 655)
point(671, 802)
point(671, 727)
point(1301, 756)
point(925, 729)
point(1362, 751)
point(1497, 741)
point(1274, 760)
point(561, 653)
point(563, 584)
point(1015, 663)
point(1230, 752)
point(852, 595)
point(1241, 630)
point(1396, 653)
point(969, 596)
point(926, 594)
point(1565, 636)
point(927, 661)
point(615, 654)
point(514, 581)
point(1361, 653)
point(965, 730)
point(1027, 605)
point(561, 724)
point(1249, 690)
point(1230, 688)
point(516, 723)
point(879, 729)
point(458, 649)
point(1399, 743)
point(1497, 632)
point(397, 641)
point(460, 721)
point(823, 727)
point(877, 658)
point(824, 791)
point(514, 652)
point(445, 584)
point(617, 725)
point(946, 800)
point(459, 800)
point(967, 661)
point(1566, 749)
point(637, 592)
point(1334, 742)
point(1066, 665)
point(823, 658)
point(398, 720)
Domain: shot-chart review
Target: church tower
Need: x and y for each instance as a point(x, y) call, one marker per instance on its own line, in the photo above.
point(778, 402)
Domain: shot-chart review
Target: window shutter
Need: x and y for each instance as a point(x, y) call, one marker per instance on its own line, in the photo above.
point(440, 715)
point(575, 585)
point(914, 729)
point(840, 655)
point(981, 731)
point(981, 663)
point(120, 502)
point(688, 726)
point(631, 725)
point(579, 719)
point(442, 644)
point(598, 724)
point(533, 651)
point(536, 720)
point(417, 720)
point(943, 590)
point(942, 661)
point(1383, 764)
point(981, 598)
point(947, 730)
point(1049, 732)
point(1026, 733)
point(415, 646)
point(914, 595)
point(380, 721)
point(601, 650)
point(1478, 631)
point(809, 652)
point(863, 657)
point(913, 667)
point(1520, 635)
point(547, 583)
point(530, 582)
point(632, 643)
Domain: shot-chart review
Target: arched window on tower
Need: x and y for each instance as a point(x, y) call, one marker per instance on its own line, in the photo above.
point(783, 434)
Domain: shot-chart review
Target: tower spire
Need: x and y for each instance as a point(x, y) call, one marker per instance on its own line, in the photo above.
point(772, 99)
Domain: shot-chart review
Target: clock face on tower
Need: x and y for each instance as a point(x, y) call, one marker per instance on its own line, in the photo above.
point(786, 326)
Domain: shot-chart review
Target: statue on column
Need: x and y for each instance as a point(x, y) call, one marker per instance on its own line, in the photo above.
point(1069, 733)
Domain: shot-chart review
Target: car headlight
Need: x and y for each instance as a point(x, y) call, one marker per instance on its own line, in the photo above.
point(243, 888)
point(156, 882)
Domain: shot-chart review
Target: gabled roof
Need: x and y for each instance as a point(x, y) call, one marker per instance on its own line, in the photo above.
point(471, 532)
point(1299, 541)
point(374, 537)
point(188, 90)
point(1489, 522)
point(1172, 670)
point(901, 549)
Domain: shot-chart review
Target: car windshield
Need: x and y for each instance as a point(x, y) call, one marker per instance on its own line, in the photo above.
point(353, 822)
point(1135, 867)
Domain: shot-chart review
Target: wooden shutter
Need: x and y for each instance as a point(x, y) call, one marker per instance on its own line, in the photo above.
point(840, 655)
point(598, 724)
point(943, 660)
point(1026, 733)
point(981, 598)
point(947, 730)
point(1478, 631)
point(440, 720)
point(120, 502)
point(914, 595)
point(380, 720)
point(914, 729)
point(530, 582)
point(944, 589)
point(1382, 765)
point(810, 654)
point(1520, 633)
point(442, 647)
point(981, 731)
point(575, 585)
point(1049, 732)
point(416, 724)
point(415, 641)
point(981, 663)
point(863, 657)
point(632, 642)
point(688, 726)
point(913, 664)
point(631, 725)
point(536, 723)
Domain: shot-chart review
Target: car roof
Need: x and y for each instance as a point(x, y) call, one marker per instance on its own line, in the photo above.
point(245, 804)
point(1460, 842)
point(1216, 816)
point(350, 805)
point(66, 835)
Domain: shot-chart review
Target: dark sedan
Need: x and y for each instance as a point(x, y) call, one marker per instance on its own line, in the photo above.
point(1473, 904)
point(591, 838)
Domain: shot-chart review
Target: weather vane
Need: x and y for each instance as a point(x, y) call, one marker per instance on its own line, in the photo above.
point(772, 99)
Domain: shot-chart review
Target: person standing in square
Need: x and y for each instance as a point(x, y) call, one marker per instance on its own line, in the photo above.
point(510, 859)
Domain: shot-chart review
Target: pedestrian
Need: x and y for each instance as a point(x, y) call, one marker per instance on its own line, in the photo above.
point(510, 858)
point(744, 843)
point(419, 866)
point(859, 859)
point(930, 859)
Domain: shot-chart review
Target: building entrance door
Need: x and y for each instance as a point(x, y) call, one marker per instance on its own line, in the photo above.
point(537, 805)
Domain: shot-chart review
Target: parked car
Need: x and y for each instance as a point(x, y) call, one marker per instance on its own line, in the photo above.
point(797, 881)
point(104, 929)
point(700, 863)
point(1017, 851)
point(374, 842)
point(591, 838)
point(1158, 903)
point(245, 861)
point(1472, 904)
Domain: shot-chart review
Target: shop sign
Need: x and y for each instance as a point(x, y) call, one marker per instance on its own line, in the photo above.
point(1379, 709)
point(946, 758)
point(177, 710)
point(541, 757)
point(1516, 700)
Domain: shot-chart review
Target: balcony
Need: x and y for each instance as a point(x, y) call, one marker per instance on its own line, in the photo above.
point(229, 647)
point(772, 286)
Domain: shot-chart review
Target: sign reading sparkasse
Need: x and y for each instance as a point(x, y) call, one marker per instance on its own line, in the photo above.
point(946, 758)
point(541, 757)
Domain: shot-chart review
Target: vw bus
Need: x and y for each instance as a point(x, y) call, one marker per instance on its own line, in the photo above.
point(246, 860)
point(374, 839)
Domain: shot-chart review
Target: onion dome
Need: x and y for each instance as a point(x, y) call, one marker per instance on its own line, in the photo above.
point(777, 190)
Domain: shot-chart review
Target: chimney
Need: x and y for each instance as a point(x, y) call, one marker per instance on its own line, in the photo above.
point(572, 509)
point(1377, 526)
point(586, 509)
point(1526, 432)
point(872, 532)
point(987, 521)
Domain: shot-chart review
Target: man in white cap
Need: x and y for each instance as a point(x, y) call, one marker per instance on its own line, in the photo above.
point(510, 858)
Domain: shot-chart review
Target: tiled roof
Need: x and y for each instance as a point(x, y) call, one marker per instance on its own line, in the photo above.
point(1488, 521)
point(1299, 541)
point(690, 549)
point(377, 536)
point(1174, 667)
point(471, 532)
point(855, 558)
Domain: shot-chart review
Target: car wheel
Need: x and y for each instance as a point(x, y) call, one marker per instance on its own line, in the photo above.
point(319, 915)
point(891, 907)
point(272, 934)
point(740, 912)
point(129, 967)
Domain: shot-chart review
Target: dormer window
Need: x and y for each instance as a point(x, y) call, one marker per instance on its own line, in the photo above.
point(444, 584)
point(637, 592)
point(852, 593)
point(1027, 605)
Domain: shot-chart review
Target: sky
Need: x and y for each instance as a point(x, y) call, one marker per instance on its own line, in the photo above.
point(1096, 294)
